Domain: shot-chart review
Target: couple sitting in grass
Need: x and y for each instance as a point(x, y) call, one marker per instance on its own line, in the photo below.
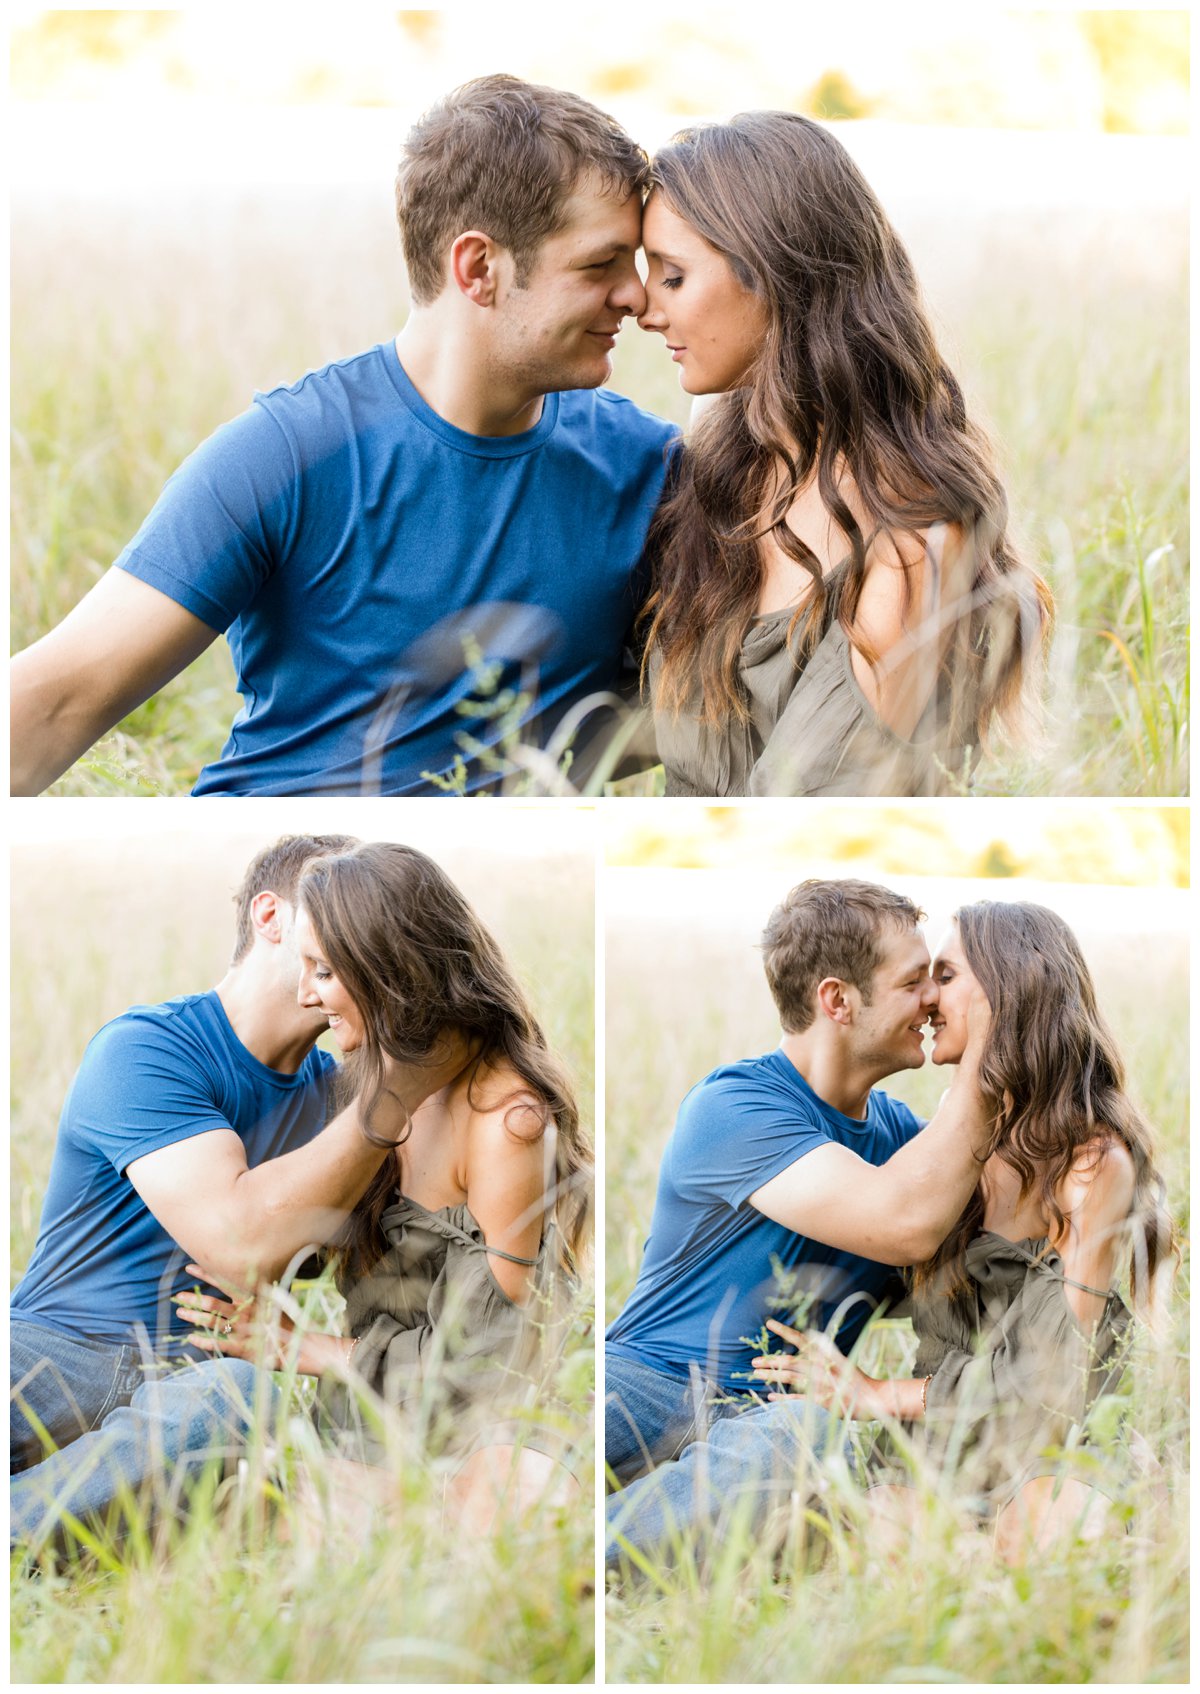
point(793, 1187)
point(432, 559)
point(207, 1146)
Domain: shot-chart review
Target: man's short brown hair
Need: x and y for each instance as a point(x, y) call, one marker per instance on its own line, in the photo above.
point(277, 870)
point(822, 929)
point(502, 156)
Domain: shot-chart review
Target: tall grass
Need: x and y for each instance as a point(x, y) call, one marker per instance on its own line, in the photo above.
point(139, 327)
point(242, 1590)
point(813, 1600)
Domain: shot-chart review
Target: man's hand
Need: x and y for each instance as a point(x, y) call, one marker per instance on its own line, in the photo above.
point(410, 1081)
point(979, 1023)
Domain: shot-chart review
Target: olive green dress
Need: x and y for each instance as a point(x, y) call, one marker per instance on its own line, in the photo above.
point(1012, 1374)
point(438, 1338)
point(811, 730)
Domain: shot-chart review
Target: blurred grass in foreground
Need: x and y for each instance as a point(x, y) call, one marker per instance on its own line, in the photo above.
point(138, 330)
point(817, 1605)
point(97, 926)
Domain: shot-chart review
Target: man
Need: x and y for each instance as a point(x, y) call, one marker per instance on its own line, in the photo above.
point(193, 1131)
point(424, 556)
point(790, 1188)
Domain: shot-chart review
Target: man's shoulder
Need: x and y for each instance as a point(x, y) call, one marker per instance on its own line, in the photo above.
point(746, 1086)
point(168, 1025)
point(358, 371)
point(894, 1114)
point(617, 415)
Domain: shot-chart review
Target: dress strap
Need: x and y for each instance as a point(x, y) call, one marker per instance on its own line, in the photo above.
point(1101, 1293)
point(511, 1257)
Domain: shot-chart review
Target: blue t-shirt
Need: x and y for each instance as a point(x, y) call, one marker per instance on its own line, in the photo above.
point(710, 1273)
point(369, 562)
point(103, 1265)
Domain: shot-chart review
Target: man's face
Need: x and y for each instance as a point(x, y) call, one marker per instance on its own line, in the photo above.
point(558, 331)
point(888, 1028)
point(291, 964)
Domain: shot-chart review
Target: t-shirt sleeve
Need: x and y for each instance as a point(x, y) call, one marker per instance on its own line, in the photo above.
point(732, 1139)
point(223, 521)
point(139, 1088)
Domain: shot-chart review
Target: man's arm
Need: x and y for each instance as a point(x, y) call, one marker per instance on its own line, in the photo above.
point(246, 1225)
point(123, 641)
point(900, 1212)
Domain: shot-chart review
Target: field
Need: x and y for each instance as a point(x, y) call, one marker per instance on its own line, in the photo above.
point(822, 1611)
point(227, 1598)
point(140, 324)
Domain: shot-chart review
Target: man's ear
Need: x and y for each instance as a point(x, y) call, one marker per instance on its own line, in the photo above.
point(266, 917)
point(836, 1000)
point(473, 267)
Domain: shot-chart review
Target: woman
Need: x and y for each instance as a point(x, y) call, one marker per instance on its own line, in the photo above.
point(451, 1261)
point(837, 607)
point(1019, 1323)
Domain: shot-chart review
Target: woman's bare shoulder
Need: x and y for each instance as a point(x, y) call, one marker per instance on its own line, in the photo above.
point(500, 1102)
point(1102, 1179)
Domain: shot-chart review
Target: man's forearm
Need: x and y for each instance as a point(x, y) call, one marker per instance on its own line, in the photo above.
point(931, 1178)
point(44, 738)
point(303, 1198)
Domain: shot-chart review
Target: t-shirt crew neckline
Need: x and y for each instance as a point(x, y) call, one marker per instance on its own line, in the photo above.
point(855, 1126)
point(461, 440)
point(242, 1053)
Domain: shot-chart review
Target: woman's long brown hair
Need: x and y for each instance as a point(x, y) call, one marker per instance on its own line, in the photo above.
point(1052, 1070)
point(848, 380)
point(416, 961)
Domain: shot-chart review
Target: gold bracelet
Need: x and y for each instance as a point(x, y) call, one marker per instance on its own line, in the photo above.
point(350, 1354)
point(924, 1392)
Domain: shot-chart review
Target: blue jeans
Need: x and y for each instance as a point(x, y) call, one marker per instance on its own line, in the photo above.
point(685, 1464)
point(116, 1419)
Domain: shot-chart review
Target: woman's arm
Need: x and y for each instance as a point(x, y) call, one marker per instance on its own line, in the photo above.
point(914, 592)
point(819, 1371)
point(246, 1328)
point(506, 1183)
point(1095, 1198)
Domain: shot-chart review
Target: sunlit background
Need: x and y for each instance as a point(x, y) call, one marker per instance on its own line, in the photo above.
point(1117, 71)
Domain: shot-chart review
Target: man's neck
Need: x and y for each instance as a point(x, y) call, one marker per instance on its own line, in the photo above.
point(454, 380)
point(825, 1067)
point(266, 1018)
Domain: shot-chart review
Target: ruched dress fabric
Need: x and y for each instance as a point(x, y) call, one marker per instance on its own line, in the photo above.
point(811, 731)
point(439, 1340)
point(1013, 1376)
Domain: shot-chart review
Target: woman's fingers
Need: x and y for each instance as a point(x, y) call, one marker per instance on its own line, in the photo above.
point(788, 1334)
point(203, 1302)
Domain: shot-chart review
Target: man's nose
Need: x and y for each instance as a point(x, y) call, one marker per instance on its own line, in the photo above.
point(929, 994)
point(629, 294)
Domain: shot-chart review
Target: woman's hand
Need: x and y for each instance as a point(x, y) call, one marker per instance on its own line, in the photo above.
point(235, 1327)
point(819, 1371)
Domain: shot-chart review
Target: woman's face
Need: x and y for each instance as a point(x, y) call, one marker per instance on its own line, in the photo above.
point(321, 991)
point(712, 325)
point(955, 983)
